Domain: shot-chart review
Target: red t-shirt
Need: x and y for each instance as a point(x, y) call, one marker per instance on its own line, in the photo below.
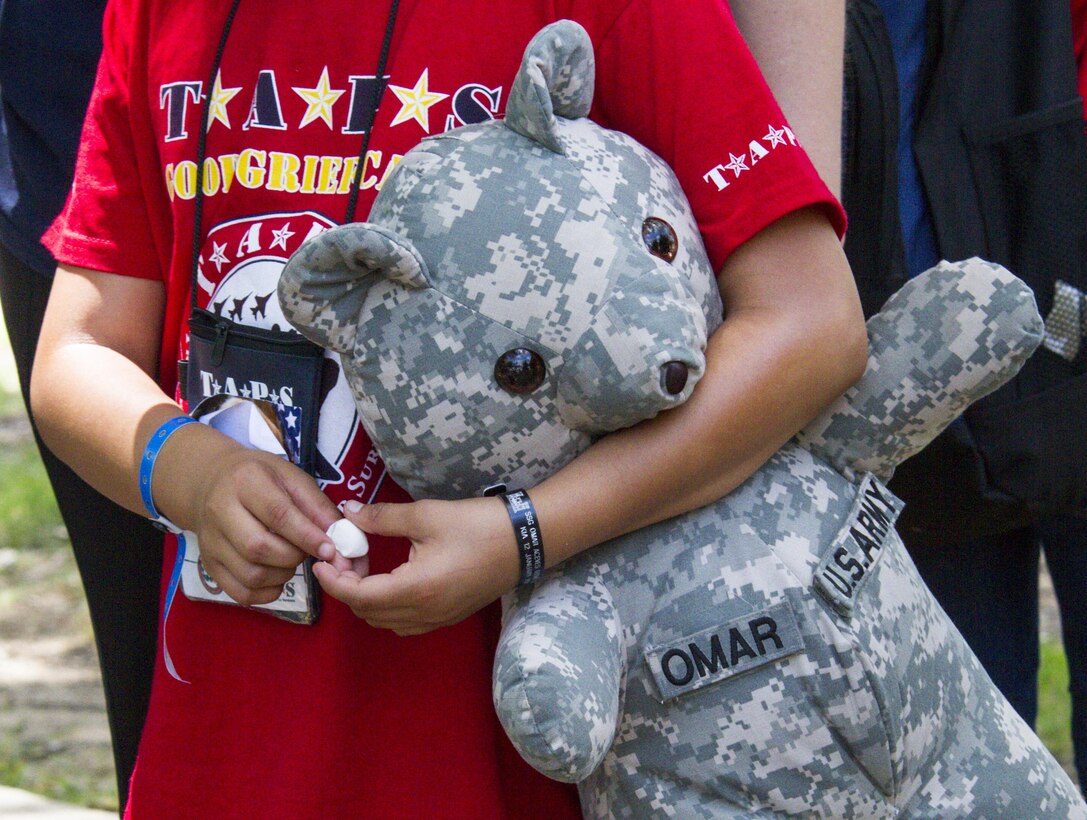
point(1079, 43)
point(338, 719)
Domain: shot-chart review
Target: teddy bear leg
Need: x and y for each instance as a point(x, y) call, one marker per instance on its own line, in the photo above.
point(558, 672)
point(993, 764)
point(959, 748)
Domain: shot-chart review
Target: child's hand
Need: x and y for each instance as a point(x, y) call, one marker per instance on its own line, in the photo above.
point(463, 557)
point(256, 515)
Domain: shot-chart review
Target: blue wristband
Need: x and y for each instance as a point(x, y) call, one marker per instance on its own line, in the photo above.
point(147, 468)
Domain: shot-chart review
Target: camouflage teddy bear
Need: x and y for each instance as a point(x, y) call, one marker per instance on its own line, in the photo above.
point(525, 286)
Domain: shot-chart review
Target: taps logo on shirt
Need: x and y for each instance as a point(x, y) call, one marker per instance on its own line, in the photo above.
point(334, 105)
point(237, 275)
point(239, 265)
point(723, 174)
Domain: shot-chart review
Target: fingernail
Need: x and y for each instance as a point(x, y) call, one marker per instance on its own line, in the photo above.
point(326, 552)
point(353, 506)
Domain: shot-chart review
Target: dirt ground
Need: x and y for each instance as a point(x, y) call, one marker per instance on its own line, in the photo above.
point(54, 739)
point(52, 715)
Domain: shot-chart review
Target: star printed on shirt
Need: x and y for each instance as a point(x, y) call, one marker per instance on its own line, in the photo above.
point(319, 101)
point(217, 102)
point(775, 137)
point(218, 255)
point(736, 163)
point(415, 102)
point(281, 236)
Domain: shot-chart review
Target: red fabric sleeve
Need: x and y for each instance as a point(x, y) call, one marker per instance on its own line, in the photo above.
point(1079, 40)
point(679, 77)
point(104, 225)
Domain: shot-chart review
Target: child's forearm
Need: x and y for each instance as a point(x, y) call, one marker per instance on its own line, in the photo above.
point(93, 396)
point(97, 405)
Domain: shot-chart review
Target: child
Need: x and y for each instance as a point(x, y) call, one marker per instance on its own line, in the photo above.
point(339, 718)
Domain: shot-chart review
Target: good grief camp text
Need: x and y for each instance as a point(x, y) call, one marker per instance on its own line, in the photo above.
point(278, 171)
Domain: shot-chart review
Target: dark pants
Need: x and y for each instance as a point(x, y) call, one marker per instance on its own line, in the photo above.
point(118, 553)
point(989, 588)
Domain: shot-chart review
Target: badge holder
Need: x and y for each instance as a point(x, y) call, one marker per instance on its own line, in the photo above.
point(258, 424)
point(281, 368)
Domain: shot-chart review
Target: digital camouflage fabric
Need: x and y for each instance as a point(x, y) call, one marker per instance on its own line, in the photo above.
point(772, 653)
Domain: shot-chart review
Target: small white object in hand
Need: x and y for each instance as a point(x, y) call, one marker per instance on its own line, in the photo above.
point(349, 540)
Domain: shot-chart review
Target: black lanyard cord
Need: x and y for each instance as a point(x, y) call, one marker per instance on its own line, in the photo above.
point(202, 137)
point(202, 146)
point(353, 199)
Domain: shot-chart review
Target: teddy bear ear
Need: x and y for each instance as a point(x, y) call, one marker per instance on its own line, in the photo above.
point(324, 284)
point(556, 79)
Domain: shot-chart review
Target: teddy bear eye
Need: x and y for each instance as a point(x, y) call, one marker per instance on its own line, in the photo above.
point(520, 371)
point(660, 238)
point(674, 378)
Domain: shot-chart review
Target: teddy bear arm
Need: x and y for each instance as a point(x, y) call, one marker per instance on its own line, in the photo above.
point(949, 337)
point(558, 673)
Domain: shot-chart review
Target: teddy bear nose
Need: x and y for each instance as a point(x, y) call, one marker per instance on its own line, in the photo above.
point(674, 378)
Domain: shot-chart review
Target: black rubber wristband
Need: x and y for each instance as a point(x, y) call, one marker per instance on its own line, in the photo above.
point(526, 528)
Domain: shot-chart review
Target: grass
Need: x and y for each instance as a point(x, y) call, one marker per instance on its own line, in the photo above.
point(29, 518)
point(11, 401)
point(26, 768)
point(1055, 704)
